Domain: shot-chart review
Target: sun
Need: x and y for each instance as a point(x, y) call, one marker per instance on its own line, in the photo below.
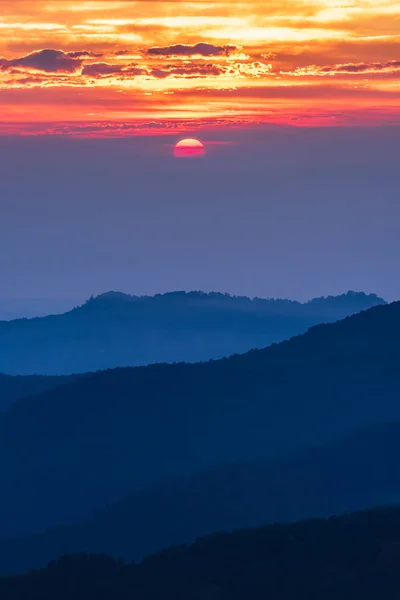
point(189, 148)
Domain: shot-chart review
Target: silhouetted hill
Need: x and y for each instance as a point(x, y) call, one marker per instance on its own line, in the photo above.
point(115, 330)
point(341, 558)
point(20, 308)
point(83, 445)
point(357, 472)
point(13, 388)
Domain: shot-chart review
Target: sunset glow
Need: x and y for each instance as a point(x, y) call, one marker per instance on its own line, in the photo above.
point(104, 68)
point(189, 147)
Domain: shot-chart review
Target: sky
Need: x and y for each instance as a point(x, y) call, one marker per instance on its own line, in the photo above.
point(104, 67)
point(296, 102)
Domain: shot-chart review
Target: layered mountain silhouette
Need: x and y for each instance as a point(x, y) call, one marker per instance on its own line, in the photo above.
point(115, 329)
point(340, 558)
point(85, 444)
point(357, 472)
point(14, 388)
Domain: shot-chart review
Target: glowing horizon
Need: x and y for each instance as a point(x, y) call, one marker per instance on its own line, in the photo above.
point(127, 68)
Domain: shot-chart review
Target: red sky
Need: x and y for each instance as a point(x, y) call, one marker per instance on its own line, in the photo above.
point(124, 67)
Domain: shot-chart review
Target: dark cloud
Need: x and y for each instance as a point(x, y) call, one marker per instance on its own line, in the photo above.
point(48, 61)
point(99, 69)
point(189, 71)
point(200, 69)
point(368, 68)
point(108, 70)
point(361, 67)
point(202, 49)
point(84, 54)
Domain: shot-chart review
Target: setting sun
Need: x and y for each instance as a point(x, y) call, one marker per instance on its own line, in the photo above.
point(189, 147)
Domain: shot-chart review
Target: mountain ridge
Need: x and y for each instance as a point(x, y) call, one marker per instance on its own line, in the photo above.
point(83, 445)
point(116, 329)
point(344, 557)
point(349, 474)
point(15, 387)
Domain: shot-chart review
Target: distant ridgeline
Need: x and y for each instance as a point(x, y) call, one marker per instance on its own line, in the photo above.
point(15, 387)
point(342, 558)
point(87, 443)
point(116, 329)
point(355, 472)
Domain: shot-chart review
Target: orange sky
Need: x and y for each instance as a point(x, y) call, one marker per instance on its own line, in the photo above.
point(106, 67)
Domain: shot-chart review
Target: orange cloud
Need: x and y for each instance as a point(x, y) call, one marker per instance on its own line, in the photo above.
point(202, 49)
point(49, 61)
point(132, 62)
point(391, 66)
